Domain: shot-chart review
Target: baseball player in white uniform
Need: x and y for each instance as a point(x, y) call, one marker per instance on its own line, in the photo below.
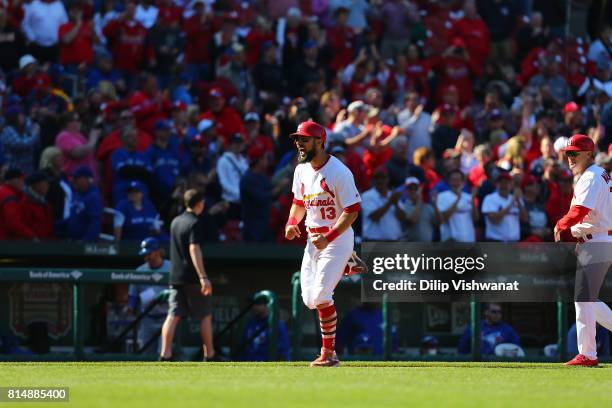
point(324, 191)
point(589, 220)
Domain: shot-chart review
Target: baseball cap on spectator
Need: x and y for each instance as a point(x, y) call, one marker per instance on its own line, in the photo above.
point(528, 179)
point(149, 245)
point(26, 60)
point(560, 144)
point(380, 171)
point(179, 106)
point(579, 143)
point(503, 175)
point(204, 125)
point(13, 173)
point(255, 153)
point(198, 140)
point(308, 44)
point(236, 138)
point(496, 114)
point(447, 109)
point(571, 107)
point(336, 138)
point(82, 171)
point(162, 124)
point(36, 177)
point(135, 186)
point(294, 12)
point(412, 181)
point(216, 92)
point(338, 150)
point(251, 117)
point(458, 42)
point(356, 105)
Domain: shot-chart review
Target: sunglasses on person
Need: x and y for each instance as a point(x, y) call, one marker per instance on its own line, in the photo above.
point(572, 153)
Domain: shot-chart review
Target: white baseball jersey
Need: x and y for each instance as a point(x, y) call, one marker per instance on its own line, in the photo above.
point(593, 190)
point(324, 192)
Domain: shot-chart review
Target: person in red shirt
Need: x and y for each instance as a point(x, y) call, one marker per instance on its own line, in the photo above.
point(558, 203)
point(254, 137)
point(12, 224)
point(227, 120)
point(199, 32)
point(30, 78)
point(256, 38)
point(149, 105)
point(456, 68)
point(76, 39)
point(341, 39)
point(37, 211)
point(474, 32)
point(127, 40)
point(168, 13)
point(478, 174)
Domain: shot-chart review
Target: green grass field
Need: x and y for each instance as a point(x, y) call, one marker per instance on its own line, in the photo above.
point(355, 384)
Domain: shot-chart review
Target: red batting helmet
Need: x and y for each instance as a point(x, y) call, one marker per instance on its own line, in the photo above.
point(580, 143)
point(310, 129)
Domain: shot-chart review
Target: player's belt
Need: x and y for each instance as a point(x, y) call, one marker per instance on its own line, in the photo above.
point(590, 237)
point(318, 230)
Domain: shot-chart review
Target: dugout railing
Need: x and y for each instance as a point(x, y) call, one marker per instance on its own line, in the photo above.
point(80, 278)
point(297, 324)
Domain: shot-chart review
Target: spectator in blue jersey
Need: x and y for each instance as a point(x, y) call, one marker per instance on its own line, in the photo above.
point(493, 331)
point(137, 218)
point(165, 161)
point(140, 296)
point(361, 331)
point(256, 190)
point(85, 220)
point(255, 336)
point(129, 164)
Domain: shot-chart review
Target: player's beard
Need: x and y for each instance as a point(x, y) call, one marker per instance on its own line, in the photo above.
point(308, 155)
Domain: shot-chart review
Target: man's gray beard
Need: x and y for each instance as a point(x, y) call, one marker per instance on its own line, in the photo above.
point(307, 158)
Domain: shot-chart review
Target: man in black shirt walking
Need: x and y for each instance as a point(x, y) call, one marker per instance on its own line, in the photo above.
point(190, 288)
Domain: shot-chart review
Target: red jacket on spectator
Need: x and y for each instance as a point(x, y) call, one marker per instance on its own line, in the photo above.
point(477, 175)
point(254, 41)
point(475, 34)
point(455, 71)
point(80, 49)
point(12, 224)
point(341, 41)
point(149, 109)
point(127, 40)
point(24, 85)
point(557, 205)
point(38, 217)
point(198, 40)
point(228, 122)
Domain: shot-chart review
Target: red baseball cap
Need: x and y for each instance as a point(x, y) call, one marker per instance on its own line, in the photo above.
point(571, 107)
point(216, 92)
point(255, 153)
point(310, 129)
point(579, 143)
point(528, 179)
point(504, 175)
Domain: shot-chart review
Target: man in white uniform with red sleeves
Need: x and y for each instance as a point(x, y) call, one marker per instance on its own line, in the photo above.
point(589, 221)
point(324, 191)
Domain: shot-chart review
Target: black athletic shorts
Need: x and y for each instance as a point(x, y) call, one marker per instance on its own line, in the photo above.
point(187, 300)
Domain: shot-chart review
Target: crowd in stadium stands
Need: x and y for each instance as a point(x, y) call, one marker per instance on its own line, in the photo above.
point(450, 114)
